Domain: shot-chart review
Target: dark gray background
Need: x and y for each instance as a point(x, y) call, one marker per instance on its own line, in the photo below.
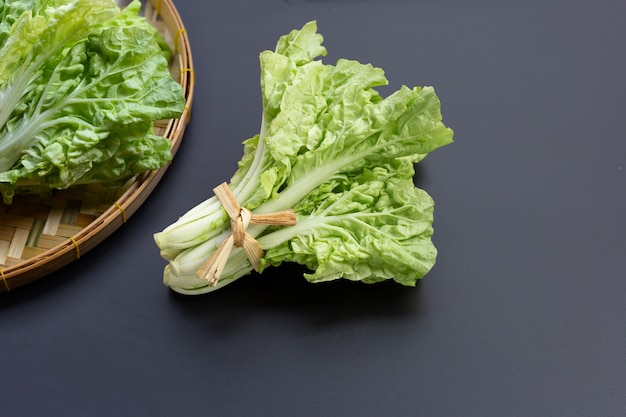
point(523, 315)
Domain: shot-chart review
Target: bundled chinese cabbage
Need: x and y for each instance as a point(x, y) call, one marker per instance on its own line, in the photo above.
point(81, 84)
point(340, 156)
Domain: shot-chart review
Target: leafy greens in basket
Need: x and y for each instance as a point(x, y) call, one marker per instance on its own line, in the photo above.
point(341, 157)
point(81, 84)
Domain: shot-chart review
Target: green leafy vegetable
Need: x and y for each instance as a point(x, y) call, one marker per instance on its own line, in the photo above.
point(81, 83)
point(342, 157)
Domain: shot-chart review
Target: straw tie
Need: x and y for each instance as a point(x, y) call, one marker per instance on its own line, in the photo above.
point(240, 218)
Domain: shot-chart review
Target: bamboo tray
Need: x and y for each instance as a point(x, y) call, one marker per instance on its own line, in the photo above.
point(39, 236)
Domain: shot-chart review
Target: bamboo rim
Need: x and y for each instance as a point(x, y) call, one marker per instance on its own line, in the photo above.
point(22, 271)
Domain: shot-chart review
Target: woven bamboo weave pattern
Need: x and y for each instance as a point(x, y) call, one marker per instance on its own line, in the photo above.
point(30, 226)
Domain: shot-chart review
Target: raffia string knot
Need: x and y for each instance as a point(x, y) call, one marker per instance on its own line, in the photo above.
point(240, 218)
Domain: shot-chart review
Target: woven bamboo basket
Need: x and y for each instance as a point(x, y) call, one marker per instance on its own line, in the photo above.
point(39, 236)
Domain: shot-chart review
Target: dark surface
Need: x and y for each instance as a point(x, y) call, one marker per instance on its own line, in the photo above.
point(523, 315)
